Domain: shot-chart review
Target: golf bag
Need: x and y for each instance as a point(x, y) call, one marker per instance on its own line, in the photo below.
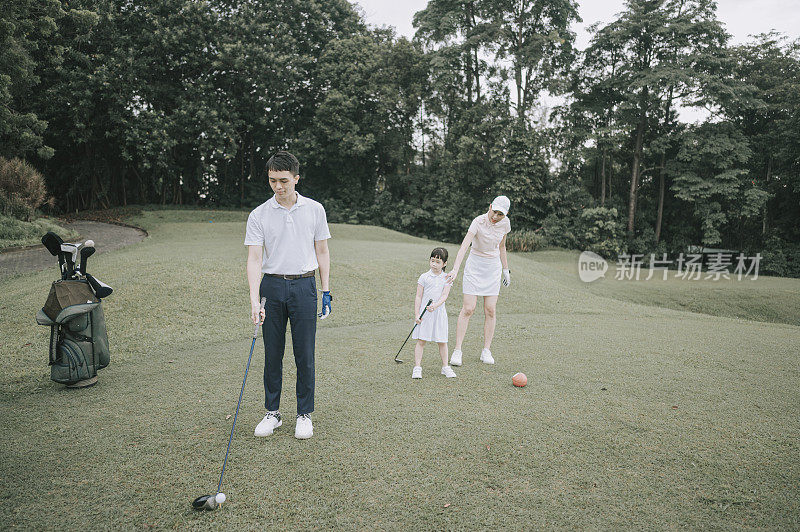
point(78, 336)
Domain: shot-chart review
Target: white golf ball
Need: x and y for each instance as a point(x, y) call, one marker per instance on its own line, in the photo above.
point(89, 243)
point(220, 498)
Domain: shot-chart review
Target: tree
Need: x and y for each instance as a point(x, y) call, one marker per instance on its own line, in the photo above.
point(534, 36)
point(771, 65)
point(711, 176)
point(26, 29)
point(655, 52)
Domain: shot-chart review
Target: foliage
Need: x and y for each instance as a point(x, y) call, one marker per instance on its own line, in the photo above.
point(17, 233)
point(180, 102)
point(780, 257)
point(711, 177)
point(22, 189)
point(603, 231)
point(525, 241)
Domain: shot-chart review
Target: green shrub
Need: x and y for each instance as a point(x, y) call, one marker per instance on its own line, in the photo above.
point(780, 258)
point(602, 232)
point(525, 241)
point(22, 189)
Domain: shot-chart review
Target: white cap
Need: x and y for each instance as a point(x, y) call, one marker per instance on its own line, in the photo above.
point(501, 203)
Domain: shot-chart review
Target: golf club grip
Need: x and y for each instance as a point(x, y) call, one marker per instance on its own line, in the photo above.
point(85, 254)
point(263, 304)
point(429, 303)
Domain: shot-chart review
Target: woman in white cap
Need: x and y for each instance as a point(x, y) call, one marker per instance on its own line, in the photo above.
point(482, 273)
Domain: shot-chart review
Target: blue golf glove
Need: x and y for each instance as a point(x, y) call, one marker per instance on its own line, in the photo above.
point(326, 304)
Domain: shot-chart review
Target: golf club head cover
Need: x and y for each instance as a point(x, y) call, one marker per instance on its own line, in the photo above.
point(52, 242)
point(86, 252)
point(100, 288)
point(326, 304)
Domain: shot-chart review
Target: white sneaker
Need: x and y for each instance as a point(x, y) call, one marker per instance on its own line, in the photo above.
point(304, 428)
point(416, 373)
point(448, 372)
point(455, 358)
point(267, 425)
point(486, 356)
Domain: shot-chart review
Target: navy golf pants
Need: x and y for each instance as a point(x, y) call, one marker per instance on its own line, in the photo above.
point(295, 300)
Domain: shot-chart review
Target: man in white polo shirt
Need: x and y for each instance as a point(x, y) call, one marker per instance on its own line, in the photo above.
point(287, 239)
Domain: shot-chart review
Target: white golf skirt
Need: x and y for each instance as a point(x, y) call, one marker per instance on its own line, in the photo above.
point(433, 327)
point(482, 276)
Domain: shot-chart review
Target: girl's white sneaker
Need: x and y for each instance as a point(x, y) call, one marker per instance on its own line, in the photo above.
point(486, 356)
point(417, 372)
point(455, 358)
point(448, 372)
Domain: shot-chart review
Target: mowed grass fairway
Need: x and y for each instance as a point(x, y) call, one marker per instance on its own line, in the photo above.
point(634, 416)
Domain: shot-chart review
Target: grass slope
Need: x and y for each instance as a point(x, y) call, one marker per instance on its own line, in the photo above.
point(770, 299)
point(634, 416)
point(17, 233)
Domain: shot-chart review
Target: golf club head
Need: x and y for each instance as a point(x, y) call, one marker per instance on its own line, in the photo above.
point(205, 502)
point(100, 288)
point(86, 252)
point(398, 360)
point(71, 254)
point(52, 242)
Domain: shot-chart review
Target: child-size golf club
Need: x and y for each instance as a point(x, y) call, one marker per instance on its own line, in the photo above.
point(430, 302)
point(211, 502)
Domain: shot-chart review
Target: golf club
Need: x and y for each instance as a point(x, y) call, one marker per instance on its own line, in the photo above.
point(53, 244)
point(210, 502)
point(100, 288)
point(430, 301)
point(70, 254)
point(86, 251)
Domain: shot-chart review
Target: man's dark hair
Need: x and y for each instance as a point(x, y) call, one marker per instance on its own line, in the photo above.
point(441, 254)
point(283, 161)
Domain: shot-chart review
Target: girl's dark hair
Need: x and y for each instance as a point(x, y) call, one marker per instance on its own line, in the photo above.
point(283, 161)
point(441, 254)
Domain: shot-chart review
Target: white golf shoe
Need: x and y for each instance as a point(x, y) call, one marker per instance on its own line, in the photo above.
point(304, 428)
point(268, 425)
point(448, 372)
point(455, 358)
point(486, 356)
point(416, 373)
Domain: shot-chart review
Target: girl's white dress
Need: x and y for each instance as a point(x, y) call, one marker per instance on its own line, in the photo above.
point(434, 324)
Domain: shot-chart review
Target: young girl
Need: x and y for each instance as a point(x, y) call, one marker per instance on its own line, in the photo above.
point(433, 325)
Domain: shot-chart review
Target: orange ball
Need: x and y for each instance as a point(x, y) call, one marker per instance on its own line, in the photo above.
point(519, 380)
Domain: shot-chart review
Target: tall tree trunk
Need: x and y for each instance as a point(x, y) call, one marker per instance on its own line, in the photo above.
point(766, 203)
point(603, 180)
point(667, 108)
point(124, 190)
point(660, 196)
point(477, 76)
point(241, 172)
point(252, 158)
point(637, 156)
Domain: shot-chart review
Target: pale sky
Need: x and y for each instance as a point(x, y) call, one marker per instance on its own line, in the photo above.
point(741, 17)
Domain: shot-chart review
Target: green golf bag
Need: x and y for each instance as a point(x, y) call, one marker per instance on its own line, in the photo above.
point(78, 336)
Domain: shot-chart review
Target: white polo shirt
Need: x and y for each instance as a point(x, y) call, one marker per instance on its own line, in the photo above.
point(287, 235)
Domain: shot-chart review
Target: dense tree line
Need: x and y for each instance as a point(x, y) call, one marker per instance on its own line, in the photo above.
point(183, 101)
